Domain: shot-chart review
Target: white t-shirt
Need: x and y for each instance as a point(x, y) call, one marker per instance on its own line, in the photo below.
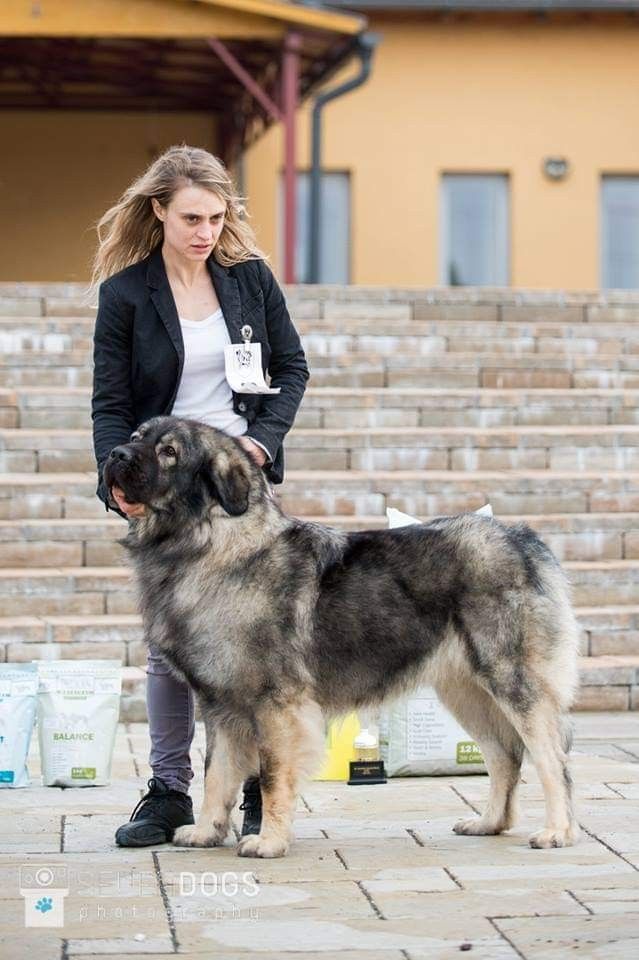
point(204, 393)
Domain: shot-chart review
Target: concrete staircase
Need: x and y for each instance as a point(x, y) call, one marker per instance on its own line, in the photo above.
point(430, 401)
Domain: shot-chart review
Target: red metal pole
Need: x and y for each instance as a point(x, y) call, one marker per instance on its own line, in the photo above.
point(244, 77)
point(290, 88)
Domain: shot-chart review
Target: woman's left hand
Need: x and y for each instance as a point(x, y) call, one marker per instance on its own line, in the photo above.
point(253, 450)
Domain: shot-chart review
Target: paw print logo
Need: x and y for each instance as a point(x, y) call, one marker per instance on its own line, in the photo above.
point(44, 904)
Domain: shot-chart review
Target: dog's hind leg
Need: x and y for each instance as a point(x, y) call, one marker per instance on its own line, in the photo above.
point(544, 730)
point(291, 743)
point(230, 757)
point(501, 748)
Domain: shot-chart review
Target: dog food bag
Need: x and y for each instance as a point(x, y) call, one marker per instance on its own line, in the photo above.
point(417, 735)
point(78, 710)
point(18, 696)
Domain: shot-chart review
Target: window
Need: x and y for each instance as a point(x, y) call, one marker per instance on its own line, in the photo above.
point(620, 232)
point(474, 230)
point(335, 238)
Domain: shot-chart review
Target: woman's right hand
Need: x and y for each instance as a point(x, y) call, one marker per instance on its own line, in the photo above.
point(131, 509)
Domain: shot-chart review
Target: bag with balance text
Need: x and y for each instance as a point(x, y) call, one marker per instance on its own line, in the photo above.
point(78, 709)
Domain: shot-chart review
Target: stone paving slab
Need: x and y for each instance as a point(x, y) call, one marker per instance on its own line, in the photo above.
point(464, 904)
point(41, 943)
point(112, 917)
point(376, 873)
point(89, 948)
point(406, 934)
point(598, 938)
point(615, 900)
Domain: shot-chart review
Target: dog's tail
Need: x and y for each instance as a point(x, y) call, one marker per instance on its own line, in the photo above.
point(565, 633)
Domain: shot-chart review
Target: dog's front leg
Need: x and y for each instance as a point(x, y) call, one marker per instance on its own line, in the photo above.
point(229, 759)
point(291, 745)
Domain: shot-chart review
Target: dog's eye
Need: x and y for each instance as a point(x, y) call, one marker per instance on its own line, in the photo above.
point(169, 451)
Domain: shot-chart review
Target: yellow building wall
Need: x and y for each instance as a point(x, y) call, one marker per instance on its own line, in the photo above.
point(59, 172)
point(478, 96)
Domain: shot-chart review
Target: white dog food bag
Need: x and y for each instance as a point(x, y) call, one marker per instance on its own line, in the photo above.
point(18, 697)
point(417, 735)
point(78, 710)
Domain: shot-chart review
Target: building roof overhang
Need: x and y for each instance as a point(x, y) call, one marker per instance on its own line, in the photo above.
point(491, 6)
point(154, 54)
point(174, 18)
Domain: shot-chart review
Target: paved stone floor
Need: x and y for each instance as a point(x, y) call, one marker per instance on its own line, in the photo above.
point(376, 873)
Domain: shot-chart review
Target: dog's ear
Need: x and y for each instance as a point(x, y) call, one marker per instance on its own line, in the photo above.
point(229, 481)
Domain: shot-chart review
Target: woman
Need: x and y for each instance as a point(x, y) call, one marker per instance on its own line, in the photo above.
point(179, 276)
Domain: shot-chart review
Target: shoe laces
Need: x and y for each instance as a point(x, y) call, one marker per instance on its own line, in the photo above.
point(153, 798)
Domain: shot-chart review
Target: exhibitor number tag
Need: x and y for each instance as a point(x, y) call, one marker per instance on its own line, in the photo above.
point(243, 366)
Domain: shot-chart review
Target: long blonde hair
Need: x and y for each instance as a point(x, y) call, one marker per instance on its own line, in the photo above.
point(129, 230)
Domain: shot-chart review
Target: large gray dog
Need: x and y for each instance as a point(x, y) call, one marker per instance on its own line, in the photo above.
point(277, 623)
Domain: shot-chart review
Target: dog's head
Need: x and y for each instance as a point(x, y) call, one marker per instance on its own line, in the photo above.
point(183, 468)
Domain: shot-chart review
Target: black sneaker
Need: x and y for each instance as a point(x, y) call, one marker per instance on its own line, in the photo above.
point(156, 816)
point(252, 807)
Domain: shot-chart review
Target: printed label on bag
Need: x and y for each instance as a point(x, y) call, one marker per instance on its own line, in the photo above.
point(468, 752)
point(83, 773)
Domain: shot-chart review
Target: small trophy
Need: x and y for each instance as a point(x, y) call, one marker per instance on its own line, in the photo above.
point(367, 766)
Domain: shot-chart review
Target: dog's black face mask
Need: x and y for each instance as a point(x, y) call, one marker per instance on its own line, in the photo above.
point(181, 466)
point(135, 468)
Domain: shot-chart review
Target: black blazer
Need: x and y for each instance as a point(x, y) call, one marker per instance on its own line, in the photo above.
point(139, 354)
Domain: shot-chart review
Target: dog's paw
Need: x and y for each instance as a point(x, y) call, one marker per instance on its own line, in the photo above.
point(255, 846)
point(193, 835)
point(476, 827)
point(546, 839)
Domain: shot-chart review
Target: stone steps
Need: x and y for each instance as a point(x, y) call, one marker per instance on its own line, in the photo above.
point(349, 408)
point(451, 370)
point(473, 304)
point(432, 401)
point(378, 448)
point(468, 370)
point(609, 630)
point(355, 492)
point(92, 542)
point(384, 337)
point(396, 360)
point(76, 637)
point(66, 591)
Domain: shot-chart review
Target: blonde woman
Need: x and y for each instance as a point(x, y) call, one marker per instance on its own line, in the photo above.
point(179, 274)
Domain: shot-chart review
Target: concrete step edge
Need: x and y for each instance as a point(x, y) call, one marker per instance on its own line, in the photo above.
point(125, 571)
point(560, 430)
point(316, 476)
point(115, 523)
point(328, 391)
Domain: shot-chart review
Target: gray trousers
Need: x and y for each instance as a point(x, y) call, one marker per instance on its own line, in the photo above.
point(171, 711)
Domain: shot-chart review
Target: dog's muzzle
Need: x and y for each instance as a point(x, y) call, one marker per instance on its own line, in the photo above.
point(124, 469)
point(122, 453)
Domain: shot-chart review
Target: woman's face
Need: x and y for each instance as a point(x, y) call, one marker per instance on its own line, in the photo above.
point(193, 221)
